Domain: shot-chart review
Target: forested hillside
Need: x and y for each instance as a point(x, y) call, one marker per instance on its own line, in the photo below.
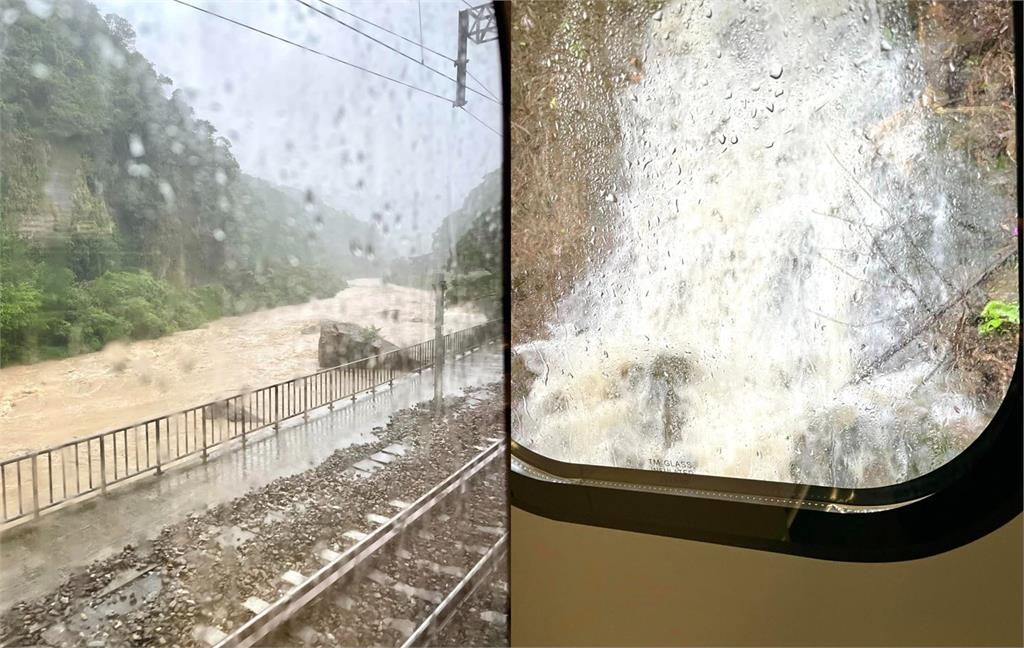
point(467, 246)
point(124, 216)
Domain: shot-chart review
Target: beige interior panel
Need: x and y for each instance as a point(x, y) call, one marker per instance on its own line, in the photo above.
point(578, 585)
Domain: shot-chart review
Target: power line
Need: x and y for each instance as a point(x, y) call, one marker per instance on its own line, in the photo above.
point(482, 122)
point(313, 51)
point(419, 43)
point(383, 44)
point(481, 84)
point(419, 12)
point(393, 33)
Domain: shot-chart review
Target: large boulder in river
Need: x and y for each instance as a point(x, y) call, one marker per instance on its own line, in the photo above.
point(342, 342)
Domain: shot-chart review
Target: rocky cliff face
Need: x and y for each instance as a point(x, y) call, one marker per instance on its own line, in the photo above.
point(71, 200)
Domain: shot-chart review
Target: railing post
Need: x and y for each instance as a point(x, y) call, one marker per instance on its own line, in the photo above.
point(159, 468)
point(277, 407)
point(103, 464)
point(204, 435)
point(305, 398)
point(329, 379)
point(35, 485)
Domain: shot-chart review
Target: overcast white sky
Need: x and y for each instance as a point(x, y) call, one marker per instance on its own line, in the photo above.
point(360, 143)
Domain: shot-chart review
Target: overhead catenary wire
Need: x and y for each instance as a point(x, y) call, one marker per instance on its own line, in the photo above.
point(393, 49)
point(419, 12)
point(393, 33)
point(317, 52)
point(482, 122)
point(421, 43)
point(481, 84)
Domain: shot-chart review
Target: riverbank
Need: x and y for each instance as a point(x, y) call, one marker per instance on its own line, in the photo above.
point(48, 403)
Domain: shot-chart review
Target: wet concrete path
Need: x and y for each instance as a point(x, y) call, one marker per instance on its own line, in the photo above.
point(36, 556)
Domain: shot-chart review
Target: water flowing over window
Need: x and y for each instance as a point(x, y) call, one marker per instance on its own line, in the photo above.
point(787, 244)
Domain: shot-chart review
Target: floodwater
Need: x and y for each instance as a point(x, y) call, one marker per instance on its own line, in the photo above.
point(790, 223)
point(36, 556)
point(48, 403)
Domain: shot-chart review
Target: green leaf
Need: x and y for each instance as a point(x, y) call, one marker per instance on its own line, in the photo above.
point(996, 313)
point(990, 325)
point(1004, 310)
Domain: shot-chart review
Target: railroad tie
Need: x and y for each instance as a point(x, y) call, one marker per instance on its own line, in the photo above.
point(403, 626)
point(209, 635)
point(344, 602)
point(373, 518)
point(494, 618)
point(409, 591)
point(399, 504)
point(473, 548)
point(305, 634)
point(329, 555)
point(395, 449)
point(255, 605)
point(449, 570)
point(293, 578)
point(357, 536)
point(379, 577)
point(495, 531)
point(354, 473)
point(499, 586)
point(368, 465)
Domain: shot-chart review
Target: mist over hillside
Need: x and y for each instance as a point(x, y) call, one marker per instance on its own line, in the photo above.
point(466, 247)
point(125, 216)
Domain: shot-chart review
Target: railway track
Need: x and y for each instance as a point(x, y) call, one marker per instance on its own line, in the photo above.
point(404, 581)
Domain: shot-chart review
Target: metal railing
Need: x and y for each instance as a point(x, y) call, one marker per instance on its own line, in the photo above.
point(36, 481)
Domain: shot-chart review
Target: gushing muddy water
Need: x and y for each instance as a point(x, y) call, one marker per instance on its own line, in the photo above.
point(52, 402)
point(788, 218)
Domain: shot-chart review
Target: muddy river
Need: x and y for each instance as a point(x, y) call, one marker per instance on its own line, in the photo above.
point(48, 403)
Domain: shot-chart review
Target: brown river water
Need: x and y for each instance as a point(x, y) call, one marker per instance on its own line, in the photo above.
point(48, 403)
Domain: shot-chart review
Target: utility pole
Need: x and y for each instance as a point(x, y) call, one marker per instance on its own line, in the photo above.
point(439, 287)
point(477, 24)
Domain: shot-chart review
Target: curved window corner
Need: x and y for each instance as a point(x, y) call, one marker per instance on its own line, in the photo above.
point(756, 299)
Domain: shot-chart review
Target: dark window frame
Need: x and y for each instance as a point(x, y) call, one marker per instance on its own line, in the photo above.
point(973, 494)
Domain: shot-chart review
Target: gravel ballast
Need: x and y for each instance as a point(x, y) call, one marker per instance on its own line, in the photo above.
point(192, 580)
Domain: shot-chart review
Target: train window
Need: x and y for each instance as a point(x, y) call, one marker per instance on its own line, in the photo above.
point(250, 323)
point(778, 243)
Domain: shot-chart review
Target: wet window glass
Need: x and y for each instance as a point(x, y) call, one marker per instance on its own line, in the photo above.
point(775, 240)
point(250, 263)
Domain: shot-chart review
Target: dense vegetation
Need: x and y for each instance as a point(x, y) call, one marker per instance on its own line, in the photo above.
point(467, 247)
point(124, 216)
point(49, 311)
point(475, 266)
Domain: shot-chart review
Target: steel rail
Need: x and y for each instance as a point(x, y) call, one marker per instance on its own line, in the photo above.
point(351, 563)
point(468, 586)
